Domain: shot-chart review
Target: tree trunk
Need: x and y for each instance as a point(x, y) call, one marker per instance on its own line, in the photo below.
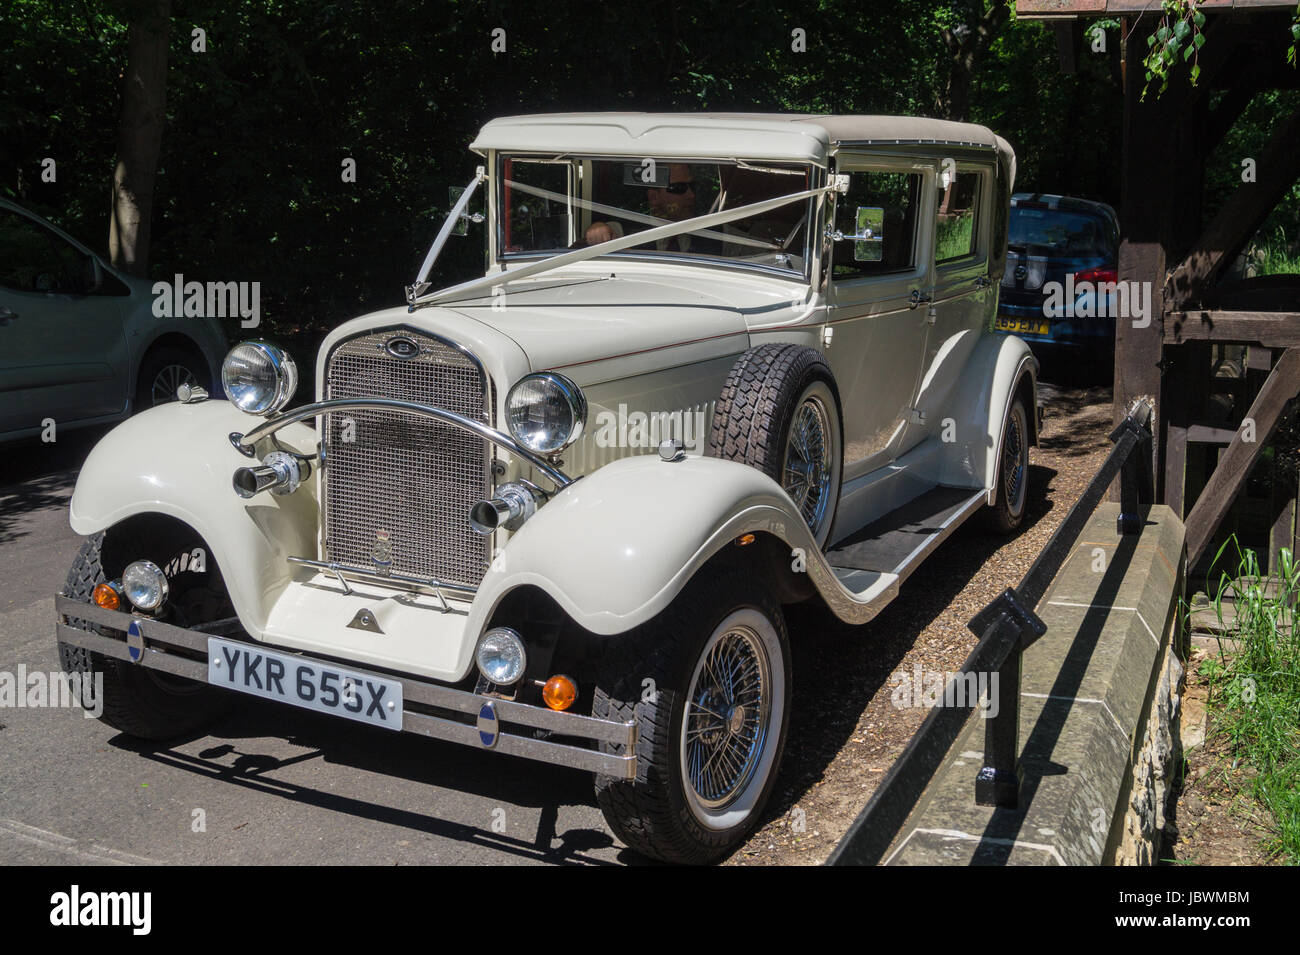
point(139, 138)
point(967, 44)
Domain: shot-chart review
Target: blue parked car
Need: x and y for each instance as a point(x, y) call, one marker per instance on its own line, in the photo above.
point(1059, 250)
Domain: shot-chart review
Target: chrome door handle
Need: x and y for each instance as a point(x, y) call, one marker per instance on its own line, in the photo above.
point(7, 315)
point(983, 281)
point(918, 297)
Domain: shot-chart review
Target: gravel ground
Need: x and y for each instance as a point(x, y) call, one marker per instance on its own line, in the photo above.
point(845, 731)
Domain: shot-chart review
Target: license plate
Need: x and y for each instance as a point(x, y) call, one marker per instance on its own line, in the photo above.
point(313, 686)
point(1022, 326)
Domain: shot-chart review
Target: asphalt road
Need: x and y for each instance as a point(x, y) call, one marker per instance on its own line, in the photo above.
point(269, 784)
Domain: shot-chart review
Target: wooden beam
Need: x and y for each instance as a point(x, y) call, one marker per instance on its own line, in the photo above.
point(1276, 169)
point(1235, 465)
point(1269, 329)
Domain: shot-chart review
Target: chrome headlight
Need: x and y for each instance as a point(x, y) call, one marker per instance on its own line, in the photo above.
point(501, 656)
point(145, 585)
point(545, 412)
point(259, 378)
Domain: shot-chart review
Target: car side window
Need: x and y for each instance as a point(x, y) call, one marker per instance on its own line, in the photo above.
point(897, 194)
point(957, 216)
point(33, 259)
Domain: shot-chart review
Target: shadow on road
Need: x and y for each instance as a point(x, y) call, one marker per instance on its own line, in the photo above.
point(495, 778)
point(36, 476)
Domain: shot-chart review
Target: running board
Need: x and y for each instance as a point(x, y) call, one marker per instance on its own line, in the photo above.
point(883, 554)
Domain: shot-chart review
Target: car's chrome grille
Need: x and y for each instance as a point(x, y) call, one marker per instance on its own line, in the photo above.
point(398, 475)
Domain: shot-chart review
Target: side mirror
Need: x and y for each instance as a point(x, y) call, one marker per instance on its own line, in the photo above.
point(870, 238)
point(462, 224)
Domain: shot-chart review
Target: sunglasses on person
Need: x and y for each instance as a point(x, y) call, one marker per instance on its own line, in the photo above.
point(677, 188)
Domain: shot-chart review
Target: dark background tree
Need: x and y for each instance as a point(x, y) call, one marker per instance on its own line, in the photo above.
point(249, 177)
point(140, 133)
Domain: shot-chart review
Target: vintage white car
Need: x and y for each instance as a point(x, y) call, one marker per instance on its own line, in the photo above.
point(718, 364)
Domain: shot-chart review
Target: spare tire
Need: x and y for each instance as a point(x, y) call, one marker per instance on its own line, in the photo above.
point(780, 413)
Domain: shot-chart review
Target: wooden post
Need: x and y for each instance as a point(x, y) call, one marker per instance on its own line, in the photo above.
point(1235, 464)
point(1159, 217)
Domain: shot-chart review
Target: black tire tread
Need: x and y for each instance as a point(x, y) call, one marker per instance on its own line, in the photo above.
point(130, 703)
point(640, 811)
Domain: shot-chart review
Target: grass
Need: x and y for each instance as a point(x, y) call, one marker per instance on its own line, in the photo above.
point(1272, 254)
point(1254, 689)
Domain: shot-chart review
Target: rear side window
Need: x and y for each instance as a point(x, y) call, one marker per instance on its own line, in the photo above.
point(895, 195)
point(957, 215)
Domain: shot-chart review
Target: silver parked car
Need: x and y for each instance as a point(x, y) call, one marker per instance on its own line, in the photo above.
point(79, 341)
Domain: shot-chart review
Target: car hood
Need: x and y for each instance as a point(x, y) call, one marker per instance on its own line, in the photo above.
point(599, 325)
point(567, 323)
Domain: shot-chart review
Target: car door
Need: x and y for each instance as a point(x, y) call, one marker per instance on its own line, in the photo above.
point(875, 331)
point(964, 297)
point(62, 349)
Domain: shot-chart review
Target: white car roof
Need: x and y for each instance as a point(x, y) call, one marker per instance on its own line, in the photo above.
point(794, 137)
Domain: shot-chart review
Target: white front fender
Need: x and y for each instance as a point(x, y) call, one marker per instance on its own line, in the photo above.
point(177, 459)
point(615, 548)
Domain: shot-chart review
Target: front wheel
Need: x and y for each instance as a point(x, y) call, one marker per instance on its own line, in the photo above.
point(708, 683)
point(140, 701)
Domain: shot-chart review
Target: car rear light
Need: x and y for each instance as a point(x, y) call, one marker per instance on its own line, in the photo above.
point(1096, 276)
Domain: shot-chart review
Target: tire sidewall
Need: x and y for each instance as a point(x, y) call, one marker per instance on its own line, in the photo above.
point(1011, 514)
point(722, 835)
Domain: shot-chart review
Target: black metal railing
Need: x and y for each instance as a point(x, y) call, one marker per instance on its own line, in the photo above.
point(1006, 627)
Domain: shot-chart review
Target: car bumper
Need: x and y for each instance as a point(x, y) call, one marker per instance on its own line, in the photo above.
point(429, 709)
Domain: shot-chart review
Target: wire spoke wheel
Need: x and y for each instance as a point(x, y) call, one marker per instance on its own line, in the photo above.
point(728, 718)
point(807, 470)
point(1015, 459)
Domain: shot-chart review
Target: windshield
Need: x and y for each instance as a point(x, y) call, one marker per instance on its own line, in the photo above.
point(550, 205)
point(1060, 233)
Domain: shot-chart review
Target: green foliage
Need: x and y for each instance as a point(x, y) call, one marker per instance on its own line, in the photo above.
point(1255, 690)
point(1178, 39)
point(249, 184)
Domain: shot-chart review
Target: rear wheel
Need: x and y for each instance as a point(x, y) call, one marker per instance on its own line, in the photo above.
point(1008, 511)
point(708, 683)
point(137, 700)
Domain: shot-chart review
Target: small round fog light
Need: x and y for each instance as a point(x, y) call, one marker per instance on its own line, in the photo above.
point(145, 585)
point(500, 656)
point(559, 692)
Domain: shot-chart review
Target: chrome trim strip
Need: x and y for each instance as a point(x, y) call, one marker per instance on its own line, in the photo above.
point(526, 745)
point(343, 572)
point(556, 476)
